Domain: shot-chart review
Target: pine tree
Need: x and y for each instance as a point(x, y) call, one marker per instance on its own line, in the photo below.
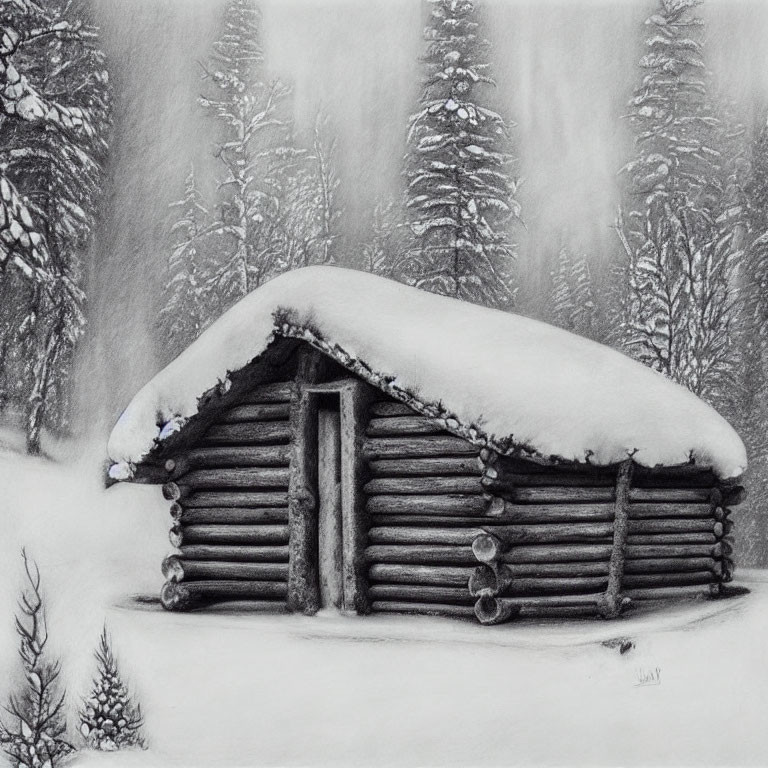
point(323, 156)
point(35, 735)
point(460, 196)
point(186, 308)
point(52, 152)
point(384, 249)
point(572, 302)
point(676, 230)
point(109, 719)
point(252, 134)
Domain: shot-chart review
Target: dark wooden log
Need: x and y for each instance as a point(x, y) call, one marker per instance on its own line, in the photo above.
point(266, 412)
point(176, 510)
point(510, 535)
point(424, 467)
point(253, 477)
point(244, 456)
point(692, 525)
point(672, 538)
point(549, 513)
point(233, 553)
point(424, 609)
point(234, 534)
point(423, 594)
point(391, 409)
point(653, 511)
point(562, 586)
point(446, 504)
point(303, 577)
point(355, 401)
point(454, 521)
point(671, 565)
point(236, 499)
point(178, 569)
point(493, 580)
point(557, 554)
point(248, 433)
point(488, 548)
point(414, 447)
point(595, 477)
point(557, 532)
point(424, 485)
point(393, 553)
point(187, 595)
point(610, 604)
point(233, 515)
point(278, 392)
point(444, 576)
point(636, 551)
point(682, 592)
point(403, 425)
point(496, 610)
point(668, 579)
point(565, 494)
point(405, 535)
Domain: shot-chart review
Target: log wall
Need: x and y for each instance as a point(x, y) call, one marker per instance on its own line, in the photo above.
point(440, 526)
point(230, 507)
point(461, 531)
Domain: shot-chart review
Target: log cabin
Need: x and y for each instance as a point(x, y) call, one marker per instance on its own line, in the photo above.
point(340, 441)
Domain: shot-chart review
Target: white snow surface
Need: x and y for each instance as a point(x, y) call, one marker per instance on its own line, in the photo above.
point(222, 689)
point(505, 375)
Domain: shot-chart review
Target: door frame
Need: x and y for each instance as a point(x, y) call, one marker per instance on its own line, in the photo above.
point(303, 566)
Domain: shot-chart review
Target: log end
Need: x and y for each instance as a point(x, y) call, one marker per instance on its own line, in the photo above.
point(175, 597)
point(492, 610)
point(171, 491)
point(486, 548)
point(175, 536)
point(172, 568)
point(483, 582)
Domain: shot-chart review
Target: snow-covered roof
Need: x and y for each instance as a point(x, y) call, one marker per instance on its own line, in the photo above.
point(495, 377)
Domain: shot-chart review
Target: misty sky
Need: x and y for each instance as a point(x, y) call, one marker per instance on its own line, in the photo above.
point(565, 70)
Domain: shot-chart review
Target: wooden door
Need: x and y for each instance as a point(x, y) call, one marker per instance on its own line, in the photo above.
point(330, 526)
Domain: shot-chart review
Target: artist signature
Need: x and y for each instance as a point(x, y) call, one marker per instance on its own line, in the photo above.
point(648, 676)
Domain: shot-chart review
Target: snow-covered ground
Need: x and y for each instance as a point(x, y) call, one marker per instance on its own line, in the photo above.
point(225, 689)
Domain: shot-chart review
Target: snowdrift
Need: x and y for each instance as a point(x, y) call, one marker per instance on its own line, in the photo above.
point(503, 380)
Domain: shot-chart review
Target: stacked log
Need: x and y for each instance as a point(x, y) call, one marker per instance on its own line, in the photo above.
point(229, 508)
point(424, 484)
point(452, 526)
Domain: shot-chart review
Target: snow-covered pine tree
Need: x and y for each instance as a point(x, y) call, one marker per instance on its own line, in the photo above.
point(460, 195)
point(186, 307)
point(680, 249)
point(251, 134)
point(384, 249)
point(747, 408)
point(329, 211)
point(303, 222)
point(53, 153)
point(34, 736)
point(572, 302)
point(110, 719)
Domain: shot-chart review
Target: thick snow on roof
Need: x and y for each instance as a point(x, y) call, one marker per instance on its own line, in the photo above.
point(498, 374)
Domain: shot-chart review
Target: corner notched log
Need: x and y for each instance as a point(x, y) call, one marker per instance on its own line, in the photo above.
point(188, 595)
point(177, 569)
